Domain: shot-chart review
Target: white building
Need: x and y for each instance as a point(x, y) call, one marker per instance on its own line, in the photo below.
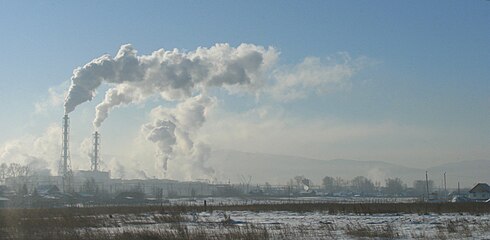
point(480, 192)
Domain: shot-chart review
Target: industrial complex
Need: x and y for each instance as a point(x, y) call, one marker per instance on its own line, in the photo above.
point(95, 184)
point(26, 188)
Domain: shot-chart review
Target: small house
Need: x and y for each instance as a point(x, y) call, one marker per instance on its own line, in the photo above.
point(480, 192)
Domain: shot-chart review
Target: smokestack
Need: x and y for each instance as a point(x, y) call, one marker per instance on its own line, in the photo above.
point(95, 153)
point(183, 76)
point(65, 164)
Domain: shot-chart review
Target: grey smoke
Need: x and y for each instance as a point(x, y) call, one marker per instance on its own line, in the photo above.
point(121, 94)
point(162, 133)
point(85, 80)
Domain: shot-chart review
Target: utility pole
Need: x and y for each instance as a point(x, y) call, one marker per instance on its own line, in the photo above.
point(445, 186)
point(458, 188)
point(427, 184)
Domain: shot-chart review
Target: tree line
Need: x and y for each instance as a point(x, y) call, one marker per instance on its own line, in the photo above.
point(364, 186)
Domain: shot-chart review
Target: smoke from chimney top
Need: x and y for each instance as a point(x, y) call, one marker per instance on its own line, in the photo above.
point(174, 76)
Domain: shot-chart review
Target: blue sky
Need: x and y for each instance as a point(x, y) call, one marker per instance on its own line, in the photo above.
point(428, 68)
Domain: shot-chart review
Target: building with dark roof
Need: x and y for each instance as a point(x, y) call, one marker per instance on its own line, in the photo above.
point(480, 192)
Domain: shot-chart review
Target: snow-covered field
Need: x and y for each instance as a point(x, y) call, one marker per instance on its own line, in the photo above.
point(234, 218)
point(318, 225)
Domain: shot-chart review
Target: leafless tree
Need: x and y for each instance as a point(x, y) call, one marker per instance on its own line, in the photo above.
point(328, 183)
point(3, 171)
point(362, 184)
point(394, 186)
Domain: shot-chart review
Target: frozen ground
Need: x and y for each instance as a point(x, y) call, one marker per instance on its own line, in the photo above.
point(250, 219)
point(317, 225)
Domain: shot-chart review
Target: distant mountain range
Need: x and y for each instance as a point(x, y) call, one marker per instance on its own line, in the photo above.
point(238, 166)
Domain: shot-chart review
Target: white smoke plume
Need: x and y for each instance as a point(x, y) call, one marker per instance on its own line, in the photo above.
point(39, 152)
point(162, 132)
point(201, 154)
point(316, 76)
point(173, 131)
point(85, 152)
point(186, 77)
point(174, 75)
point(121, 94)
point(54, 99)
point(116, 168)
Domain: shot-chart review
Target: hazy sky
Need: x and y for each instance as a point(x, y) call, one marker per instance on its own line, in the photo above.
point(405, 82)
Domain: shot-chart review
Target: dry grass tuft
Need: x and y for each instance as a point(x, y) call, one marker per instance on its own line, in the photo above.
point(386, 231)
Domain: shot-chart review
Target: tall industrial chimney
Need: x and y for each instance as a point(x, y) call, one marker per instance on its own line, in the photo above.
point(95, 152)
point(65, 164)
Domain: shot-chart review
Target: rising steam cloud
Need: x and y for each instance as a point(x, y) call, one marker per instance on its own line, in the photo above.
point(174, 76)
point(185, 77)
point(173, 131)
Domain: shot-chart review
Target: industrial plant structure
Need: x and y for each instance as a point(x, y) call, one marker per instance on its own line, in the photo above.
point(65, 162)
point(96, 182)
point(95, 152)
point(71, 181)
